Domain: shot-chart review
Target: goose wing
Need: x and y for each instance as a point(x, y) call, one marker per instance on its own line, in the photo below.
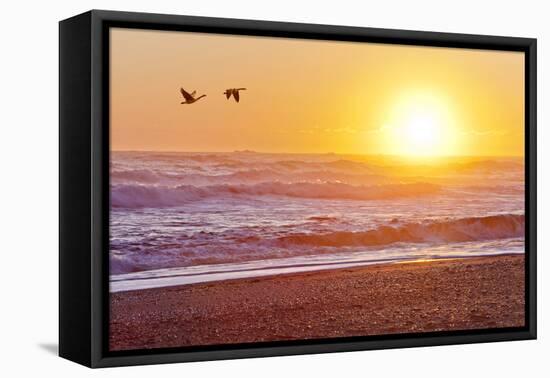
point(186, 95)
point(236, 95)
point(227, 93)
point(193, 93)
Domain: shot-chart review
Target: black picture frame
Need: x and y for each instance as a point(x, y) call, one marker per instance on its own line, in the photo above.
point(84, 186)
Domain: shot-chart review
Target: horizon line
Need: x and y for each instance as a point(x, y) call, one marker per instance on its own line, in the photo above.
point(312, 153)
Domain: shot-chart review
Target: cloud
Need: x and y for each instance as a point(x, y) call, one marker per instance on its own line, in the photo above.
point(339, 130)
point(485, 132)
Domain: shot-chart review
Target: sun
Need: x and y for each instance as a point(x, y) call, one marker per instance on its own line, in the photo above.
point(420, 125)
point(422, 132)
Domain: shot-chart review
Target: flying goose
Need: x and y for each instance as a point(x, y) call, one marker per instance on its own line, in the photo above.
point(234, 92)
point(190, 98)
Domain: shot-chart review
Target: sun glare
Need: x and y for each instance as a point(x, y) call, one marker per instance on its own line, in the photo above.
point(420, 125)
point(422, 131)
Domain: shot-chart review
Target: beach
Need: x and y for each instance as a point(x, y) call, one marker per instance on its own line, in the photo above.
point(409, 297)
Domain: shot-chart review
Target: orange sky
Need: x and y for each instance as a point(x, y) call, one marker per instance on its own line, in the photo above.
point(313, 96)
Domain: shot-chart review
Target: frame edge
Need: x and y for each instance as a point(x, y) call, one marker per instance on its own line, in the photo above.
point(75, 334)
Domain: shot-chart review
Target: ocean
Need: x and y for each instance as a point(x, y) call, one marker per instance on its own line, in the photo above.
point(181, 218)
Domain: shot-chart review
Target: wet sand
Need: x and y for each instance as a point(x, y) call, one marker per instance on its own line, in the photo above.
point(461, 294)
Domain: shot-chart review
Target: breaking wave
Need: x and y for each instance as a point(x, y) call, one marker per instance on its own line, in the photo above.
point(136, 196)
point(459, 230)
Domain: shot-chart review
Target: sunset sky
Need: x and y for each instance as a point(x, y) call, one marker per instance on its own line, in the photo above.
point(313, 96)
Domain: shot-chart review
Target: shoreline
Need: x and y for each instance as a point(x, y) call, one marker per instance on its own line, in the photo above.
point(190, 275)
point(403, 297)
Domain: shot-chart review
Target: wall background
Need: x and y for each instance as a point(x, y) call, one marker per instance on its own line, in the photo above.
point(29, 186)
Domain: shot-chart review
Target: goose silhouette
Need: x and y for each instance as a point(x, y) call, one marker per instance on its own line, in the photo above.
point(234, 92)
point(190, 97)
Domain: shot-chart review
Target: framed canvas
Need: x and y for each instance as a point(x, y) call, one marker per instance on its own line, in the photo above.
point(234, 188)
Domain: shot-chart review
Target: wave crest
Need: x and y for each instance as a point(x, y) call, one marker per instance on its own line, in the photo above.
point(459, 230)
point(135, 196)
